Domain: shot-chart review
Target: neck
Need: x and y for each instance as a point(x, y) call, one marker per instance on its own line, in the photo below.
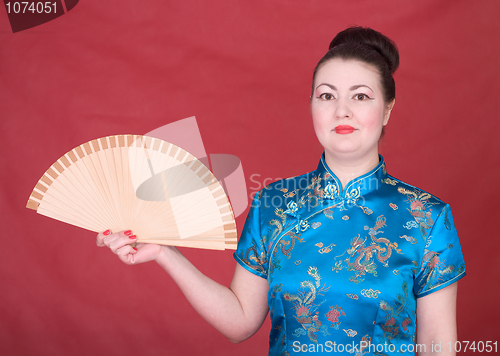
point(347, 169)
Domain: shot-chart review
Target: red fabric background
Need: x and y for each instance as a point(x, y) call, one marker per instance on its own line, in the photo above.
point(243, 68)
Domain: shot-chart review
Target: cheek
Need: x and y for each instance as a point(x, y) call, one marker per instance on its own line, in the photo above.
point(319, 114)
point(372, 119)
point(319, 121)
point(321, 125)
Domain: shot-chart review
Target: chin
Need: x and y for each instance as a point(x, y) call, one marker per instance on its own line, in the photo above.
point(349, 153)
point(343, 149)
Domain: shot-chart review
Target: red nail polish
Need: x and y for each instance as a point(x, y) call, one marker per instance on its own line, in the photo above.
point(134, 248)
point(107, 232)
point(128, 232)
point(132, 237)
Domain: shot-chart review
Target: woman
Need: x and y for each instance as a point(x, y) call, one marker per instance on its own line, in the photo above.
point(346, 257)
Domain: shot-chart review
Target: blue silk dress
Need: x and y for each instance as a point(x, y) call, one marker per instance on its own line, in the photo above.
point(345, 266)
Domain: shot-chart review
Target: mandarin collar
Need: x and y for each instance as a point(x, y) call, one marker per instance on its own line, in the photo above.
point(325, 189)
point(332, 189)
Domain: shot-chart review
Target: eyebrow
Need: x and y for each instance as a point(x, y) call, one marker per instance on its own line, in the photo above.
point(354, 87)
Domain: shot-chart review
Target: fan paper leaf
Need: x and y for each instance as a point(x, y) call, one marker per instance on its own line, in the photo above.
point(131, 182)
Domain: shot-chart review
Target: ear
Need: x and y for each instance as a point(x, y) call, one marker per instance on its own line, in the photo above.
point(388, 110)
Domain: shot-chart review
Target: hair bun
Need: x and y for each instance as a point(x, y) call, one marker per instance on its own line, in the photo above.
point(374, 39)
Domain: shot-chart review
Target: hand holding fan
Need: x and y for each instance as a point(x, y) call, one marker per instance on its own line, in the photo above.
point(131, 182)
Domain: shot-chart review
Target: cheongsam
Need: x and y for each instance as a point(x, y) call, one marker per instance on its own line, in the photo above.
point(345, 265)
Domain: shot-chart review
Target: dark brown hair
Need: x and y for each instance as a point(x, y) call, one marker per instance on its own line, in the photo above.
point(368, 46)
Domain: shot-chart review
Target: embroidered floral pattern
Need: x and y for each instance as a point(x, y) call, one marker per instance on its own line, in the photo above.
point(396, 321)
point(333, 316)
point(305, 305)
point(291, 208)
point(330, 191)
point(419, 209)
point(434, 269)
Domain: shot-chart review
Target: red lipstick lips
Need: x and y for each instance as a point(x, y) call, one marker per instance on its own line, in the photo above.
point(344, 129)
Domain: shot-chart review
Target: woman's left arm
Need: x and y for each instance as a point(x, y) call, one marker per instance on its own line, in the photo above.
point(436, 322)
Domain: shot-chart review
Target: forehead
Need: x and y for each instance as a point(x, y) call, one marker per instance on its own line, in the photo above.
point(338, 71)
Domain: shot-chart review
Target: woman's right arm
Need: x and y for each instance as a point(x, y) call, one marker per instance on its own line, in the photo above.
point(237, 312)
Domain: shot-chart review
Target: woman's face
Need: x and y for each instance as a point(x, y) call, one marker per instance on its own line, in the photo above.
point(348, 109)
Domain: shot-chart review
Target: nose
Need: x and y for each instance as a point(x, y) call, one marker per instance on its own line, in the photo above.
point(343, 109)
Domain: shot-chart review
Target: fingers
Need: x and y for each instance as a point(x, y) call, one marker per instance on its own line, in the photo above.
point(115, 241)
point(121, 243)
point(101, 236)
point(127, 254)
point(123, 239)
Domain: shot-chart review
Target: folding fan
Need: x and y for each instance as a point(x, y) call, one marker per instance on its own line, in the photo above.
point(130, 182)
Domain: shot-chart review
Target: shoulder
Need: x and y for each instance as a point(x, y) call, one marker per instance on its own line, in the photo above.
point(410, 192)
point(423, 209)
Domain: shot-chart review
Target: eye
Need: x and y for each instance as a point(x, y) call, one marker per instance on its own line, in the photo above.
point(327, 96)
point(361, 97)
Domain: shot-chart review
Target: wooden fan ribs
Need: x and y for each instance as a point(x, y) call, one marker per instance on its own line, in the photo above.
point(95, 186)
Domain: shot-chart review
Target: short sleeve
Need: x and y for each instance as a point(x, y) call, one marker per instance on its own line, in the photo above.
point(251, 251)
point(442, 262)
